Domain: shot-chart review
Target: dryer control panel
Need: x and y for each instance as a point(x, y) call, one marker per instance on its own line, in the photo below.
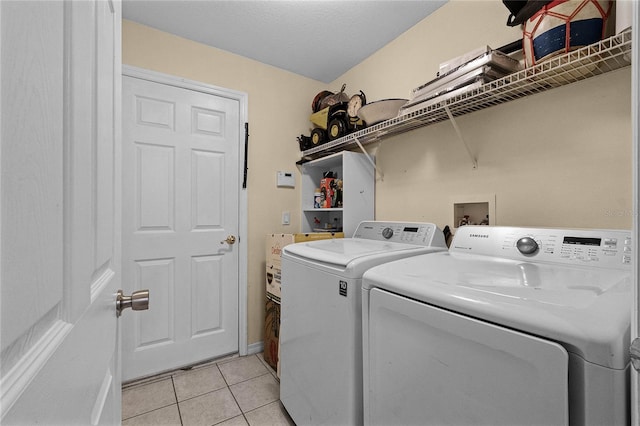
point(416, 233)
point(600, 248)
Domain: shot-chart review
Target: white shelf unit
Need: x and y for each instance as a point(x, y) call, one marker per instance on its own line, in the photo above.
point(605, 56)
point(358, 191)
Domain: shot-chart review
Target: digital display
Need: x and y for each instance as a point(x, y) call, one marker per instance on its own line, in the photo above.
point(582, 241)
point(410, 229)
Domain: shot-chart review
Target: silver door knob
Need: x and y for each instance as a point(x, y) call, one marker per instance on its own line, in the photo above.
point(138, 301)
point(229, 240)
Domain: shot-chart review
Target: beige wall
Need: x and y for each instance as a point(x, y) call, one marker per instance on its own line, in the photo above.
point(279, 106)
point(562, 158)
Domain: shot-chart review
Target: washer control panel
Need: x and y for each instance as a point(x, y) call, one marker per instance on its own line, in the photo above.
point(604, 248)
point(416, 233)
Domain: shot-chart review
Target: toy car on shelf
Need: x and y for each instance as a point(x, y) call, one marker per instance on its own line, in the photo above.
point(334, 115)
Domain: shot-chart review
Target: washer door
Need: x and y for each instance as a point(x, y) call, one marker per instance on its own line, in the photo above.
point(428, 366)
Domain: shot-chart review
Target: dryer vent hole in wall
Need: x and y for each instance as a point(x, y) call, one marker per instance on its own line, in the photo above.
point(470, 214)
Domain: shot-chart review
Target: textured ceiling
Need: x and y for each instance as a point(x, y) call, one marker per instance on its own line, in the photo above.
point(320, 39)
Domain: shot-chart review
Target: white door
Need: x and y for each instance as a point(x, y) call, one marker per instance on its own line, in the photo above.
point(180, 203)
point(60, 254)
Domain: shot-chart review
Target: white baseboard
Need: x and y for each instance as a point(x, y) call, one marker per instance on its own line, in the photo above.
point(255, 348)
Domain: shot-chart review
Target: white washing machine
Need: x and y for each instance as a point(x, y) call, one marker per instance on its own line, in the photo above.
point(512, 326)
point(321, 322)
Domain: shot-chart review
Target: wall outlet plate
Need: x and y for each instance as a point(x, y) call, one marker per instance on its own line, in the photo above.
point(286, 218)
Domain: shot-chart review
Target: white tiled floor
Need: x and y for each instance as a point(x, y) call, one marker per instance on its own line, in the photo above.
point(234, 391)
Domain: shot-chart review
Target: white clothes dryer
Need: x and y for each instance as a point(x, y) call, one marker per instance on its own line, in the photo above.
point(321, 321)
point(512, 326)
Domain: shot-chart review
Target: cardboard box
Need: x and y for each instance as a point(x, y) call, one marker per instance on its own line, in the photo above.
point(274, 245)
point(272, 335)
point(273, 283)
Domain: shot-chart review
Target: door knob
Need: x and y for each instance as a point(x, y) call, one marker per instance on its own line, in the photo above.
point(229, 240)
point(138, 301)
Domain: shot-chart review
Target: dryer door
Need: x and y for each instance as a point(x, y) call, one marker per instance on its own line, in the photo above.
point(429, 366)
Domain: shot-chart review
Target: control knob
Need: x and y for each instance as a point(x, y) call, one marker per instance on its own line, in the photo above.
point(387, 233)
point(527, 245)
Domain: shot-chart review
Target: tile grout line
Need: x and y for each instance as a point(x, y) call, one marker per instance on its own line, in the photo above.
point(150, 383)
point(219, 389)
point(233, 396)
point(246, 380)
point(270, 368)
point(261, 375)
point(177, 402)
point(166, 375)
point(147, 412)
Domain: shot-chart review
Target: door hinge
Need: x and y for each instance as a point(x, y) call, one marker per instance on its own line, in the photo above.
point(634, 353)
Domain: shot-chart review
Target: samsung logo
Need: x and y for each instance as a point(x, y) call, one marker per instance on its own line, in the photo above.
point(479, 235)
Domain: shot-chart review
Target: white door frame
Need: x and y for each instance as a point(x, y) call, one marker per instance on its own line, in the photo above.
point(635, 134)
point(242, 98)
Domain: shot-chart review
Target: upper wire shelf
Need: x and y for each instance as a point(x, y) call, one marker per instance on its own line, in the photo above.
point(599, 58)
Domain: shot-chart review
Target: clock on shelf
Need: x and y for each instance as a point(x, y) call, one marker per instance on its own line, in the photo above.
point(355, 103)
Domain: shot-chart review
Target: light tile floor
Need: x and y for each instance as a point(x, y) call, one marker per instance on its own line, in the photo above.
point(233, 391)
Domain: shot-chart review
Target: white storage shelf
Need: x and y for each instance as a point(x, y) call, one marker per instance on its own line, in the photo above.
point(598, 58)
point(358, 191)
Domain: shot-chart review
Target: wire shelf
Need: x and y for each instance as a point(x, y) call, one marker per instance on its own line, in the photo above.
point(599, 58)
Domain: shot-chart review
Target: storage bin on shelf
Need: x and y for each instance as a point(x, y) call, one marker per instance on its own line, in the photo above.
point(563, 26)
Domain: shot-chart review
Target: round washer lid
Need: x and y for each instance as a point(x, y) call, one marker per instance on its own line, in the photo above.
point(587, 309)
